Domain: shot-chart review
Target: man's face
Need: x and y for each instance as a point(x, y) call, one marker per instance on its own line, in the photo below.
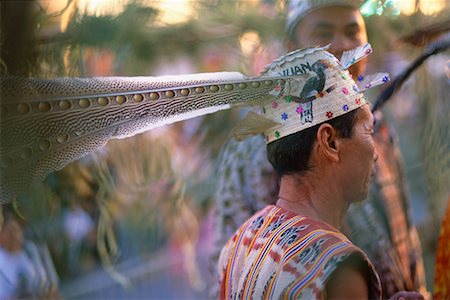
point(358, 156)
point(342, 27)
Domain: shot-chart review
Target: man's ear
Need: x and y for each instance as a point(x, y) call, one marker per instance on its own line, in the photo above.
point(328, 142)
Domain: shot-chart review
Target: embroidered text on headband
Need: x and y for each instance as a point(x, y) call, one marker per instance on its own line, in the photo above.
point(327, 91)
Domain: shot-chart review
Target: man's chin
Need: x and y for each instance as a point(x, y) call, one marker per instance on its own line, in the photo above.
point(363, 196)
point(358, 69)
point(361, 200)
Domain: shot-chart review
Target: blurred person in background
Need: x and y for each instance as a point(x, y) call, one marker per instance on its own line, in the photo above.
point(441, 288)
point(381, 226)
point(26, 271)
point(80, 231)
point(441, 274)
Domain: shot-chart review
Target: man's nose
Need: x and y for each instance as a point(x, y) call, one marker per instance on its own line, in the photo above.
point(375, 155)
point(339, 44)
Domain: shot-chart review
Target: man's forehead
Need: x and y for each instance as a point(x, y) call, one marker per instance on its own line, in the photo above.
point(331, 24)
point(365, 115)
point(333, 16)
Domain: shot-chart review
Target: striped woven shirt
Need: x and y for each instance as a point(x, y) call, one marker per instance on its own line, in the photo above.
point(278, 254)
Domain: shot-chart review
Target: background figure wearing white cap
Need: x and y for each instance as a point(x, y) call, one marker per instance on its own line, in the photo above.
point(382, 225)
point(322, 148)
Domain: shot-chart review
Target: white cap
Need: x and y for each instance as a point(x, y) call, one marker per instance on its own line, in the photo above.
point(325, 92)
point(297, 9)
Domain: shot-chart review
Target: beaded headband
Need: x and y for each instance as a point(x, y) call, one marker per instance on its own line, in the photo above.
point(326, 92)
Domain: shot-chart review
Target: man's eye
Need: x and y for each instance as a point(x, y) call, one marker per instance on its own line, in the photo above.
point(324, 35)
point(354, 34)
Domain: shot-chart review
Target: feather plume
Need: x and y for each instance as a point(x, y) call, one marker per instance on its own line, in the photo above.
point(251, 125)
point(351, 57)
point(46, 124)
point(286, 86)
point(366, 82)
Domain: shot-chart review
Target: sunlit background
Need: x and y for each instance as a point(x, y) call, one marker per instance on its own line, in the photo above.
point(135, 219)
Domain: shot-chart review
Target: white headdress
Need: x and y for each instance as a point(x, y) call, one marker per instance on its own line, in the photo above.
point(327, 91)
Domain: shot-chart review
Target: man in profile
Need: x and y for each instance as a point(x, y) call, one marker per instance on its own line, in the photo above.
point(382, 226)
point(320, 144)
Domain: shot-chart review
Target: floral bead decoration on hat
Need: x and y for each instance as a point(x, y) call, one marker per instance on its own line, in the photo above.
point(327, 92)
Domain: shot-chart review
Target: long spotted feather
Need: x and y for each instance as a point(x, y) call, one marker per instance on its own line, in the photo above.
point(46, 124)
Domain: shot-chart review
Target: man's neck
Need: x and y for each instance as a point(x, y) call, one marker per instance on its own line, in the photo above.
point(314, 198)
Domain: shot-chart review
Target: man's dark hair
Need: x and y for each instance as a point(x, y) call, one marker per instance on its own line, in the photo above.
point(290, 154)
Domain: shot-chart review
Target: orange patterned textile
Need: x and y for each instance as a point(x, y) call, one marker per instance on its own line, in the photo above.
point(442, 272)
point(278, 254)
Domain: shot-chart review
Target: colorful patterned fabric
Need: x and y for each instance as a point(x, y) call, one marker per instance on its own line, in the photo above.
point(279, 254)
point(246, 183)
point(442, 272)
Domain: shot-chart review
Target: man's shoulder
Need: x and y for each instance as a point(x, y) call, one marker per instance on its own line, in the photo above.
point(286, 230)
point(276, 243)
